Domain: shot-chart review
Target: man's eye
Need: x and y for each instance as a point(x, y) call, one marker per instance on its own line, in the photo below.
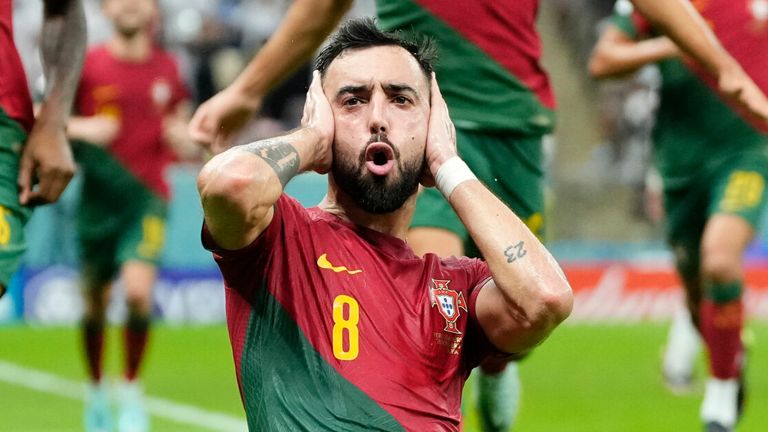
point(353, 101)
point(401, 100)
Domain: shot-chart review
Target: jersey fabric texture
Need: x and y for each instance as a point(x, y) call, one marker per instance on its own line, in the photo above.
point(335, 327)
point(13, 216)
point(489, 60)
point(711, 158)
point(14, 91)
point(119, 219)
point(139, 95)
point(499, 96)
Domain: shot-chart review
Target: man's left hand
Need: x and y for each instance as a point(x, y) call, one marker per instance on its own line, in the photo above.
point(441, 138)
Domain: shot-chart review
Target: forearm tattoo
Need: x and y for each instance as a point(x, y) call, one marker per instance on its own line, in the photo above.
point(280, 155)
point(514, 252)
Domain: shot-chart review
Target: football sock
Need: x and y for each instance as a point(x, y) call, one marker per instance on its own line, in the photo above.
point(136, 334)
point(498, 398)
point(722, 318)
point(93, 341)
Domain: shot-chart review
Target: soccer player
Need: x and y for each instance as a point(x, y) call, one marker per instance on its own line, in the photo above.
point(714, 163)
point(335, 323)
point(498, 94)
point(130, 106)
point(35, 159)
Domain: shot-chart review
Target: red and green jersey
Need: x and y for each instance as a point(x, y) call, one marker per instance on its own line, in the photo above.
point(139, 95)
point(15, 99)
point(695, 128)
point(489, 60)
point(335, 327)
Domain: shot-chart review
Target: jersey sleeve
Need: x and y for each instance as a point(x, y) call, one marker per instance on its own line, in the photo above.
point(243, 269)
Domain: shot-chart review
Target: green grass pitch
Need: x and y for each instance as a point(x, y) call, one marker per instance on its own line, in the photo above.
point(585, 378)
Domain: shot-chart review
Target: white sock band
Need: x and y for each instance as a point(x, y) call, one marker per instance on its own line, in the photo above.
point(452, 173)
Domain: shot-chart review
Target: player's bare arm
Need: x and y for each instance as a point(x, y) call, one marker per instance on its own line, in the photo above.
point(617, 54)
point(529, 294)
point(682, 23)
point(98, 130)
point(306, 25)
point(47, 158)
point(176, 132)
point(239, 187)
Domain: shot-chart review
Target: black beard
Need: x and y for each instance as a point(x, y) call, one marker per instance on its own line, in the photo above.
point(376, 194)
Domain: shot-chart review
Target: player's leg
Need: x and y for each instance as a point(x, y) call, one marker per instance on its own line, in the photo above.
point(681, 351)
point(96, 289)
point(686, 216)
point(722, 314)
point(739, 198)
point(13, 217)
point(139, 254)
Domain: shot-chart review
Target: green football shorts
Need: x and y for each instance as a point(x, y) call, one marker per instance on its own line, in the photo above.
point(509, 165)
point(736, 186)
point(119, 218)
point(13, 216)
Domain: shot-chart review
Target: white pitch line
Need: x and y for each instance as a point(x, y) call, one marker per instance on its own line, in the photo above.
point(180, 413)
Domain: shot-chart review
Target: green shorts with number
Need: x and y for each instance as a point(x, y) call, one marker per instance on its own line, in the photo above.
point(735, 185)
point(509, 165)
point(119, 218)
point(13, 216)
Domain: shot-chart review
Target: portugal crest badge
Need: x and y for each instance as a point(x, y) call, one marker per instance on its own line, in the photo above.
point(449, 303)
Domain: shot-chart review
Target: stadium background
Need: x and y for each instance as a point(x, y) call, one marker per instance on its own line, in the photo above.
point(599, 372)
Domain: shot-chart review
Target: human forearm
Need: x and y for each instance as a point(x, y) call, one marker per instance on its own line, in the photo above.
point(99, 130)
point(683, 24)
point(305, 26)
point(616, 55)
point(533, 294)
point(239, 187)
point(62, 49)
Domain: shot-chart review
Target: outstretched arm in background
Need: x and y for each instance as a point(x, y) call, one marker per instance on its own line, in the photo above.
point(617, 54)
point(47, 157)
point(306, 25)
point(528, 295)
point(684, 25)
point(240, 186)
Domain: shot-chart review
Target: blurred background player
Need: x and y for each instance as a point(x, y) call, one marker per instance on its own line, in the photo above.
point(131, 107)
point(714, 161)
point(35, 158)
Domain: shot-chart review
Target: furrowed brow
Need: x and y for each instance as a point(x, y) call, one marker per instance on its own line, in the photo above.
point(351, 89)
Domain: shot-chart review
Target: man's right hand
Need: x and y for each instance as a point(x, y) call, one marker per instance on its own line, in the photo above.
point(318, 118)
point(217, 121)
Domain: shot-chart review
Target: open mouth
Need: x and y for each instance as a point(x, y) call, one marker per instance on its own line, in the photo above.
point(379, 158)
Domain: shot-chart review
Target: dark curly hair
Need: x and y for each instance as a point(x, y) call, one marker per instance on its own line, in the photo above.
point(363, 33)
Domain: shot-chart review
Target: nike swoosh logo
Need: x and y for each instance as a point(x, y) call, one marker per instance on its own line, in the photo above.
point(323, 263)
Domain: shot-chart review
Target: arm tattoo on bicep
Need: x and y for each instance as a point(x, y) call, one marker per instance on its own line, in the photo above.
point(514, 252)
point(280, 155)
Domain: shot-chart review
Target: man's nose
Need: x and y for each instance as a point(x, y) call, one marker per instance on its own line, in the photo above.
point(378, 122)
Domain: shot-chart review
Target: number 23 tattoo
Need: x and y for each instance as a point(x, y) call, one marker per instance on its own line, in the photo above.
point(514, 252)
